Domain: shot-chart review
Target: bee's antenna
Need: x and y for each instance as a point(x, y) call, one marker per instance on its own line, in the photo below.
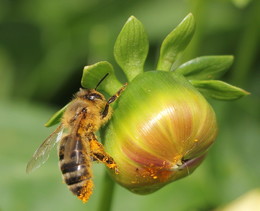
point(102, 79)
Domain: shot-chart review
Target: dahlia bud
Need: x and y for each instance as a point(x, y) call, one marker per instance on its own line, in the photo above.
point(162, 126)
point(160, 131)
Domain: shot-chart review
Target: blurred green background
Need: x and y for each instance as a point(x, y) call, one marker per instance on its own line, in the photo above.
point(44, 46)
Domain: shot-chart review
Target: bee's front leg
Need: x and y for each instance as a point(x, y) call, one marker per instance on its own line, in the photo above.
point(111, 100)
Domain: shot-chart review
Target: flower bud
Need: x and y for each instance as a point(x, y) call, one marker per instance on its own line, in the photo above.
point(160, 131)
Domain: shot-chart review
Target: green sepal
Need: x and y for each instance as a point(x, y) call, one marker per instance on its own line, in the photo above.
point(55, 119)
point(131, 48)
point(219, 90)
point(205, 67)
point(175, 43)
point(92, 75)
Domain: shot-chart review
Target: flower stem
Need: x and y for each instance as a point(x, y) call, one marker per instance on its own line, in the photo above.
point(107, 193)
point(247, 50)
point(199, 10)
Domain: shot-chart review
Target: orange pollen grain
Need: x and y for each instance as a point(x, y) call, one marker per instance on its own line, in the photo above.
point(112, 165)
point(86, 191)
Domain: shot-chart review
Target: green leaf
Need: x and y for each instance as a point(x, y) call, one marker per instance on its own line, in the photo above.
point(205, 67)
point(92, 75)
point(219, 90)
point(55, 119)
point(175, 43)
point(131, 48)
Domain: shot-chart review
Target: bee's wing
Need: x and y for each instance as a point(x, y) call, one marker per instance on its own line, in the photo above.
point(42, 153)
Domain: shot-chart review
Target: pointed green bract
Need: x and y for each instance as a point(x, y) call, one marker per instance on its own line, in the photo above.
point(219, 90)
point(92, 75)
point(55, 119)
point(131, 48)
point(205, 67)
point(175, 43)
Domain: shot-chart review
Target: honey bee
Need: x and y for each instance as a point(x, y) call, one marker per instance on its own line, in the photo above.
point(79, 146)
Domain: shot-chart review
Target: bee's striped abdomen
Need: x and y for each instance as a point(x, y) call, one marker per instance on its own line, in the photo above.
point(75, 167)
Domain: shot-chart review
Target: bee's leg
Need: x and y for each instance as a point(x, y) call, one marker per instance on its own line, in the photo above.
point(79, 112)
point(111, 100)
point(98, 154)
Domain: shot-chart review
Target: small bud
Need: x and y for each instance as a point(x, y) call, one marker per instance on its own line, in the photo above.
point(160, 131)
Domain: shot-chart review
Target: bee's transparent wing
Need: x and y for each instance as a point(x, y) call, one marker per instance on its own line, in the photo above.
point(42, 153)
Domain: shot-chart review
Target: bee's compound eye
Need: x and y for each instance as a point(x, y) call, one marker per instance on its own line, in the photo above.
point(93, 96)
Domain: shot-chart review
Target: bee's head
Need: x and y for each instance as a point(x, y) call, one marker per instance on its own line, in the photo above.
point(90, 95)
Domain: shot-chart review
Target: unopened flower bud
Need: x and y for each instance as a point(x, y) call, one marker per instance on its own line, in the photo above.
point(160, 131)
point(162, 126)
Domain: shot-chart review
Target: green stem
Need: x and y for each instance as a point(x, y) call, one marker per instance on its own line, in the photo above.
point(246, 52)
point(107, 193)
point(199, 10)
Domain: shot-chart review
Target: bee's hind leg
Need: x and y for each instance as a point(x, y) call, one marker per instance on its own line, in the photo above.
point(98, 154)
